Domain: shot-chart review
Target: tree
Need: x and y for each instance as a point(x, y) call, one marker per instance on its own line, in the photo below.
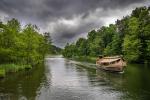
point(114, 48)
point(130, 36)
point(9, 36)
point(132, 43)
point(81, 46)
point(69, 50)
point(21, 46)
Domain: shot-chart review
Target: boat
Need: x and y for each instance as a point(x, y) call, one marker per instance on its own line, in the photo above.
point(111, 63)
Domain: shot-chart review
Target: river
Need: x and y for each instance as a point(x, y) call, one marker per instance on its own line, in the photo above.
point(63, 79)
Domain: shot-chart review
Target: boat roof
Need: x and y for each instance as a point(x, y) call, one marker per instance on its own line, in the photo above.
point(112, 57)
point(108, 60)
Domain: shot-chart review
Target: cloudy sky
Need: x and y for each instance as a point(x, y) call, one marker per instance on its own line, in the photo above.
point(67, 20)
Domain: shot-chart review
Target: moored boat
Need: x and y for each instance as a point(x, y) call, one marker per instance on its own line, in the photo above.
point(113, 63)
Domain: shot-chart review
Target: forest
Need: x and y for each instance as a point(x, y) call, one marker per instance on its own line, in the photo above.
point(22, 47)
point(129, 36)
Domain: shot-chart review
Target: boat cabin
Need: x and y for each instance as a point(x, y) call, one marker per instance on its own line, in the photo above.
point(116, 63)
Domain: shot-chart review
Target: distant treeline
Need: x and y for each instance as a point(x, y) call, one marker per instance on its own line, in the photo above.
point(129, 36)
point(55, 50)
point(22, 45)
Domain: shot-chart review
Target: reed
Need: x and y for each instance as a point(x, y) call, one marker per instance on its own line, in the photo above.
point(2, 73)
point(12, 68)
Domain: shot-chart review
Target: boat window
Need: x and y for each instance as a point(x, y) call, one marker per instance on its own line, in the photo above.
point(113, 62)
point(105, 63)
point(118, 60)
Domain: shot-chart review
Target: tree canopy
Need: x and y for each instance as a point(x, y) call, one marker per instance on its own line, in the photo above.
point(129, 36)
point(22, 45)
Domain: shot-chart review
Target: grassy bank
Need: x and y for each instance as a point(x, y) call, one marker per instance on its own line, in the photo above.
point(12, 68)
point(85, 59)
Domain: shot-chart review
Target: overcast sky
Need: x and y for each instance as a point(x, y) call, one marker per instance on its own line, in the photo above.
point(67, 20)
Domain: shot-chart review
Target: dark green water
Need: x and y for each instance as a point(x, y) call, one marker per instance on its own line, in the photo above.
point(62, 79)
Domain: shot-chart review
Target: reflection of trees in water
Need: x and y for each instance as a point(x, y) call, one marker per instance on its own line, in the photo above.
point(23, 84)
point(47, 72)
point(132, 84)
point(112, 78)
point(89, 72)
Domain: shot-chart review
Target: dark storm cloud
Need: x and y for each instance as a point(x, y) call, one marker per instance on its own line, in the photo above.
point(67, 19)
point(58, 8)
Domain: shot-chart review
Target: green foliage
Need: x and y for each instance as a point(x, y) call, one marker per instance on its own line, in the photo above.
point(114, 47)
point(70, 50)
point(22, 46)
point(55, 50)
point(11, 68)
point(130, 37)
point(2, 73)
point(148, 50)
point(132, 44)
point(81, 47)
point(131, 48)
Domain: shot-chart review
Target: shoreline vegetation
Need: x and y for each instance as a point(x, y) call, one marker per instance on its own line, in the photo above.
point(12, 68)
point(85, 59)
point(22, 47)
point(129, 37)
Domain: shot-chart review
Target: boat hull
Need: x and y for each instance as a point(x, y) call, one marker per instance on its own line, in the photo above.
point(110, 69)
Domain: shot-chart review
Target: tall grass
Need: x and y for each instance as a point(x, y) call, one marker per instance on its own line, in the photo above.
point(12, 68)
point(2, 73)
point(85, 58)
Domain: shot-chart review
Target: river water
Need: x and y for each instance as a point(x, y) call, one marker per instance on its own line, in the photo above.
point(63, 79)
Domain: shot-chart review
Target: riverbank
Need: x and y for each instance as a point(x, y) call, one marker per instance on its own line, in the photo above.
point(12, 68)
point(93, 60)
point(84, 59)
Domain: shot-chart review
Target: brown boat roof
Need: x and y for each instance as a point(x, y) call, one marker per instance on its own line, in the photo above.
point(108, 60)
point(112, 57)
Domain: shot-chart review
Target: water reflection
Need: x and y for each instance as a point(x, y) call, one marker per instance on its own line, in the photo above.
point(22, 85)
point(63, 79)
point(71, 82)
point(134, 83)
